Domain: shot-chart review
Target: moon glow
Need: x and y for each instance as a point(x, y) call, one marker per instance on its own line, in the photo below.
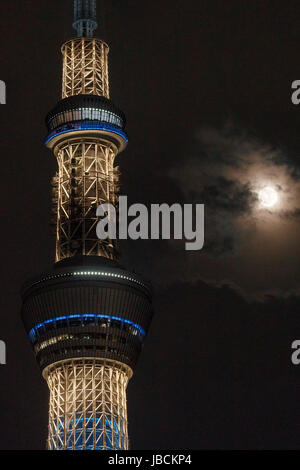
point(268, 197)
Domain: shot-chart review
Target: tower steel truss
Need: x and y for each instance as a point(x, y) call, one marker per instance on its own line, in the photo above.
point(86, 178)
point(85, 67)
point(87, 405)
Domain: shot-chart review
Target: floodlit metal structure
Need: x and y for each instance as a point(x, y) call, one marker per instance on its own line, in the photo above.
point(85, 67)
point(87, 317)
point(88, 405)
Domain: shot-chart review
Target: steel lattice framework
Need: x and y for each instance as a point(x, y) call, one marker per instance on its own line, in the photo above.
point(85, 67)
point(88, 408)
point(86, 178)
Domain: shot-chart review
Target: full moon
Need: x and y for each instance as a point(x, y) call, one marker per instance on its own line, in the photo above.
point(268, 196)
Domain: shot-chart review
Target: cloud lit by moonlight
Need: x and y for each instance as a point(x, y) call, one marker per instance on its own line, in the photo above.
point(251, 192)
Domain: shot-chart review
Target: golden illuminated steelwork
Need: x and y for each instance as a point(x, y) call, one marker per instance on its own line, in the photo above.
point(85, 67)
point(88, 408)
point(86, 178)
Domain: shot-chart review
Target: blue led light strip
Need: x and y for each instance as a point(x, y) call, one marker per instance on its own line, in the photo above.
point(106, 317)
point(79, 126)
point(112, 433)
point(90, 419)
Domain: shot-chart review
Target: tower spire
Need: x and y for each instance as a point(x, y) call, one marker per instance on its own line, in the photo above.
point(85, 17)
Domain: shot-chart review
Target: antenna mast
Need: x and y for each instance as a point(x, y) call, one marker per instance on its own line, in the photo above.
point(85, 18)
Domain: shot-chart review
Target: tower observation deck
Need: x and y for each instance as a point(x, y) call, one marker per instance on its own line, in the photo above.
point(87, 316)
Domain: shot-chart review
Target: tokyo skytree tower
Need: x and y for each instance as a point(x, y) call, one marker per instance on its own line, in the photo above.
point(87, 316)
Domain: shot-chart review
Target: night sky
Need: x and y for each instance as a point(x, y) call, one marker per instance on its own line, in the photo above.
point(206, 89)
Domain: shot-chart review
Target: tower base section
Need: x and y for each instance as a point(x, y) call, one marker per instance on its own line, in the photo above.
point(87, 408)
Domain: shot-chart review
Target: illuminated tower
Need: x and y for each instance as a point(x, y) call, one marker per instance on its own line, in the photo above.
point(87, 317)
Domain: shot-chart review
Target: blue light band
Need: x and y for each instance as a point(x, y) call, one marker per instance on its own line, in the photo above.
point(33, 331)
point(74, 429)
point(86, 125)
point(90, 419)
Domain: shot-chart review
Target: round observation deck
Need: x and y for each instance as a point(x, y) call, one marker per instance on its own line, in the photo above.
point(89, 115)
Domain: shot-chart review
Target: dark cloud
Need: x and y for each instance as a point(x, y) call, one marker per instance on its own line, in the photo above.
point(227, 195)
point(225, 170)
point(292, 214)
